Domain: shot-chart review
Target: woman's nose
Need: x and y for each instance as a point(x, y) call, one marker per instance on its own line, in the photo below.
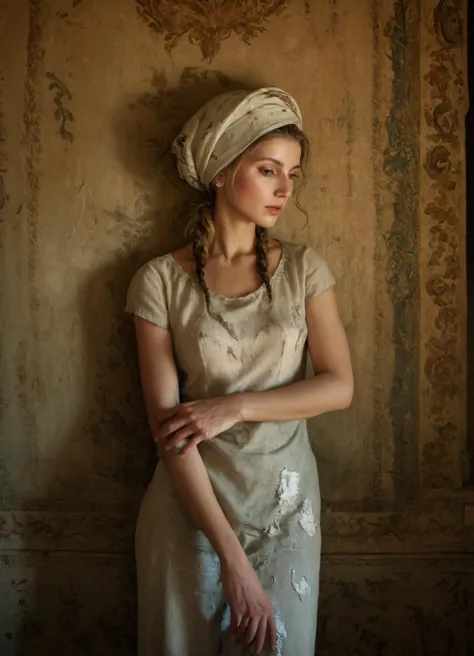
point(285, 187)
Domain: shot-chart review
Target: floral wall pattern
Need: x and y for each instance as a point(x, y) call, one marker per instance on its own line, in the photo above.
point(91, 95)
point(207, 23)
point(442, 453)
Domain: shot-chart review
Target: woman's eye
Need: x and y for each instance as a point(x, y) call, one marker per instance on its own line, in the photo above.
point(294, 176)
point(266, 172)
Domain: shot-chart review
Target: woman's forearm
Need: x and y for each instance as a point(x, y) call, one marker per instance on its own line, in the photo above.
point(188, 475)
point(301, 400)
point(191, 482)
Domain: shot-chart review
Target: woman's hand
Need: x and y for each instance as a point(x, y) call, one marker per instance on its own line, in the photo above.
point(196, 421)
point(251, 611)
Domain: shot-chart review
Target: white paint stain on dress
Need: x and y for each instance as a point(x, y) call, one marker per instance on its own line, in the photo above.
point(288, 490)
point(225, 619)
point(210, 563)
point(301, 587)
point(306, 518)
point(281, 635)
point(273, 529)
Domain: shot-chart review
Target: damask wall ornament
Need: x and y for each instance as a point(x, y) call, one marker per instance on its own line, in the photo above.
point(61, 113)
point(208, 22)
point(443, 213)
point(401, 170)
point(448, 23)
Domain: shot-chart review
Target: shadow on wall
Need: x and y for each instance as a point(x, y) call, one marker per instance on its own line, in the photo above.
point(79, 557)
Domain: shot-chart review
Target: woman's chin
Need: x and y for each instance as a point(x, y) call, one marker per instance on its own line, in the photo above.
point(266, 222)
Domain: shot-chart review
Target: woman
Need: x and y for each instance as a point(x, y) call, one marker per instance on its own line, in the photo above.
point(223, 327)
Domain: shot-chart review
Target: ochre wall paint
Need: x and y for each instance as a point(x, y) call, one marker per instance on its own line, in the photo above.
point(91, 95)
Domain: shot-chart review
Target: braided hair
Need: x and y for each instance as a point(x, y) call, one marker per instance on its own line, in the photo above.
point(203, 234)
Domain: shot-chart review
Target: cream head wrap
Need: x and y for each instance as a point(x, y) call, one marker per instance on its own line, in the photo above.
point(227, 125)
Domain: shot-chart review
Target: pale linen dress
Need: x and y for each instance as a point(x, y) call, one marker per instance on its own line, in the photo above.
point(264, 474)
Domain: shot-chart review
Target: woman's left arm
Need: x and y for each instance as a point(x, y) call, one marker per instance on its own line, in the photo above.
point(330, 389)
point(332, 386)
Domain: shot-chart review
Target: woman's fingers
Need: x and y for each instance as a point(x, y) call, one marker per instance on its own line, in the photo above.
point(242, 629)
point(235, 622)
point(170, 426)
point(190, 445)
point(252, 627)
point(180, 435)
point(272, 632)
point(260, 636)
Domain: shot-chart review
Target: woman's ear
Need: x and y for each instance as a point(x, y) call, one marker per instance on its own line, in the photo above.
point(219, 180)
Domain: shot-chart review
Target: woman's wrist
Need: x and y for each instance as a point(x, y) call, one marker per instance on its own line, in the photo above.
point(236, 406)
point(233, 557)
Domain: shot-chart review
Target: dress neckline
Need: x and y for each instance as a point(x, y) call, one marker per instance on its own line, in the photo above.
point(276, 274)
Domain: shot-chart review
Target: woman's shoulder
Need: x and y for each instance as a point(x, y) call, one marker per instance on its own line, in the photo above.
point(157, 264)
point(306, 264)
point(151, 273)
point(303, 254)
point(183, 257)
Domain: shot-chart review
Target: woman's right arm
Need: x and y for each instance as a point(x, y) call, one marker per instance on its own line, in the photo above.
point(188, 475)
point(250, 607)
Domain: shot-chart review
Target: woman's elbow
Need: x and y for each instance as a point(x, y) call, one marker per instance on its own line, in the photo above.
point(346, 393)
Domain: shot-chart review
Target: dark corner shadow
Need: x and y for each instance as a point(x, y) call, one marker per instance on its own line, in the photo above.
point(85, 601)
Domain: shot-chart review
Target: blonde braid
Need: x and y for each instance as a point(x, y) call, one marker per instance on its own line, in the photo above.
point(202, 235)
point(261, 250)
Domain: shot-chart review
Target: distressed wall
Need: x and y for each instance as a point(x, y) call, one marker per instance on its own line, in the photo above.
point(91, 94)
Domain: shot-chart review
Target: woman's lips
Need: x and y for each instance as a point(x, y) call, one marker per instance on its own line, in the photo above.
point(274, 209)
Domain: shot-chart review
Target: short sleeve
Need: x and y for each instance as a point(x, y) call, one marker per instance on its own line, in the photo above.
point(146, 296)
point(318, 275)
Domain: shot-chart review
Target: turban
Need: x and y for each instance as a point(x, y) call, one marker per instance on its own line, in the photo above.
point(223, 128)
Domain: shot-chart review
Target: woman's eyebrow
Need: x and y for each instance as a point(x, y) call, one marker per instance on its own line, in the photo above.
point(277, 161)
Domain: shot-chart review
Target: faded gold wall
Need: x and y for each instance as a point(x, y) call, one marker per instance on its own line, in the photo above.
point(91, 94)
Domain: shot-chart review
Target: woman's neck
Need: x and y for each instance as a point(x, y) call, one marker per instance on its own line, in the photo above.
point(233, 236)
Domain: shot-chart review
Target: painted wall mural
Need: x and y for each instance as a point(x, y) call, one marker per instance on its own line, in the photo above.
point(61, 113)
point(207, 24)
point(91, 96)
point(444, 367)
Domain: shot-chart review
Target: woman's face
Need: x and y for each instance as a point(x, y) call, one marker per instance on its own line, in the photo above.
point(260, 187)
